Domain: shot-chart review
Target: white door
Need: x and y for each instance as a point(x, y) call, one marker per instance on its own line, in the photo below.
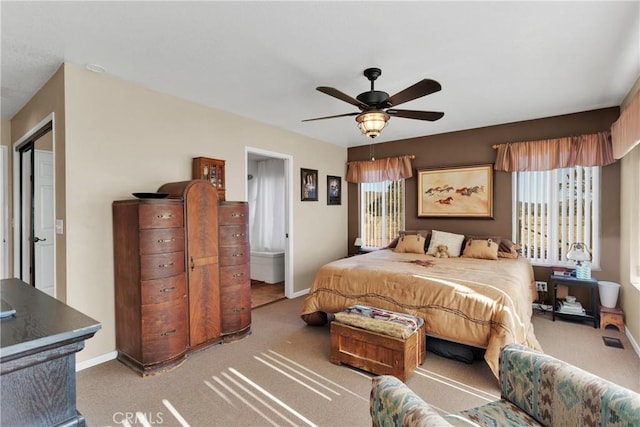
point(4, 213)
point(43, 222)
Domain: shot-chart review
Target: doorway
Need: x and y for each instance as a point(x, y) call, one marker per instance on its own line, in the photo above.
point(268, 191)
point(4, 213)
point(34, 208)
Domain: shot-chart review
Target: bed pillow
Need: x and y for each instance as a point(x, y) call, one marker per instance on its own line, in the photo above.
point(508, 249)
point(481, 249)
point(451, 240)
point(411, 243)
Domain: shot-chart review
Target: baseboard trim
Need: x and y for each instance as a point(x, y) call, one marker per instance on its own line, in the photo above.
point(299, 293)
point(96, 361)
point(633, 342)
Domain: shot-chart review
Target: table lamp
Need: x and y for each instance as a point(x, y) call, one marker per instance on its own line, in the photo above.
point(357, 244)
point(579, 253)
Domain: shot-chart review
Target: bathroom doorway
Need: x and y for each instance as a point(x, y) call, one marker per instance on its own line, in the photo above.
point(268, 188)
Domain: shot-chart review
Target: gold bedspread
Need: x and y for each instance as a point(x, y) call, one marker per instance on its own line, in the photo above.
point(484, 303)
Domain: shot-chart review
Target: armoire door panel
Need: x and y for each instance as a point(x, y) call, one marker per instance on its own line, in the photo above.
point(204, 305)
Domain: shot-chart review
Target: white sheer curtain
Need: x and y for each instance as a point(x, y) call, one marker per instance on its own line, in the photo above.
point(266, 201)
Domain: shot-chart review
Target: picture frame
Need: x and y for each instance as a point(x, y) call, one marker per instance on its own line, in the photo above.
point(334, 190)
point(456, 192)
point(309, 185)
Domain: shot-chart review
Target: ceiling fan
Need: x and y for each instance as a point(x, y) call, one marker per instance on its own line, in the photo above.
point(376, 106)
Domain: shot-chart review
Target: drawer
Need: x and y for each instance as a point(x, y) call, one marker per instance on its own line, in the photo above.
point(234, 275)
point(158, 266)
point(158, 215)
point(233, 213)
point(159, 240)
point(164, 331)
point(233, 255)
point(233, 235)
point(164, 290)
point(235, 308)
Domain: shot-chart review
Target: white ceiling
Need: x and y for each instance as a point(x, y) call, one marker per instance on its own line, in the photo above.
point(497, 62)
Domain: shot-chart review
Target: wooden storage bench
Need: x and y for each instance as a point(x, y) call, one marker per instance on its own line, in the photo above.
point(377, 352)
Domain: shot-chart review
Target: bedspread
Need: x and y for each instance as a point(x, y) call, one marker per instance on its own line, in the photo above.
point(484, 303)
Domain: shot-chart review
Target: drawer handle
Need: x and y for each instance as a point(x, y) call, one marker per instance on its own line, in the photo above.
point(171, 289)
point(166, 240)
point(165, 265)
point(238, 309)
point(165, 216)
point(166, 334)
point(237, 214)
point(238, 235)
point(238, 254)
point(238, 275)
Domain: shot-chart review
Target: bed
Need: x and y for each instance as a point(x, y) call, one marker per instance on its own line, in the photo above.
point(479, 302)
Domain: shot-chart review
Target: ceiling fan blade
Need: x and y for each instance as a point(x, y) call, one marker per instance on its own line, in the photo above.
point(342, 96)
point(331, 117)
point(431, 116)
point(422, 88)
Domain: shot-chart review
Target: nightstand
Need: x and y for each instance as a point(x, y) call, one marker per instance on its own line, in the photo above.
point(571, 281)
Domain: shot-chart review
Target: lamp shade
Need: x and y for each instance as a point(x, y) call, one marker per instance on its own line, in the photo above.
point(371, 123)
point(578, 252)
point(358, 242)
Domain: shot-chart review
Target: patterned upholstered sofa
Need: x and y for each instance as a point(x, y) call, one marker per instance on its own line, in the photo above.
point(536, 389)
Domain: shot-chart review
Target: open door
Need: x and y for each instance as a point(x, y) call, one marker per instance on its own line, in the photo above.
point(34, 203)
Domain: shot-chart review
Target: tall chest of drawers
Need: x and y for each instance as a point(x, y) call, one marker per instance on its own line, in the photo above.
point(235, 277)
point(150, 283)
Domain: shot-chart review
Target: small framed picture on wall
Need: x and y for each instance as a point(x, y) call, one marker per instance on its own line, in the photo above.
point(334, 190)
point(309, 185)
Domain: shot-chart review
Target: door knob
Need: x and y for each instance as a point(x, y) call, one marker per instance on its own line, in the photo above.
point(37, 239)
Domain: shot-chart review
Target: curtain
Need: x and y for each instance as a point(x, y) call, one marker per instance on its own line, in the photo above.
point(582, 150)
point(266, 201)
point(380, 170)
point(625, 132)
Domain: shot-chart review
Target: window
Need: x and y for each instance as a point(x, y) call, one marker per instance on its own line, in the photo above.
point(553, 209)
point(381, 212)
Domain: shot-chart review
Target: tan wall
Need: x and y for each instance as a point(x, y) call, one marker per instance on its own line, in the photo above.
point(49, 99)
point(122, 138)
point(629, 297)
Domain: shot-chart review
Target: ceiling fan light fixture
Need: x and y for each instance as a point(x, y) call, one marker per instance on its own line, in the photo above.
point(371, 123)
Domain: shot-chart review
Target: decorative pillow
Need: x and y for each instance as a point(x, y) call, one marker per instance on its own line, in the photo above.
point(412, 243)
point(425, 233)
point(451, 240)
point(481, 249)
point(468, 238)
point(508, 249)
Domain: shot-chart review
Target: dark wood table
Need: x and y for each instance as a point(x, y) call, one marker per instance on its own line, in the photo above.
point(37, 357)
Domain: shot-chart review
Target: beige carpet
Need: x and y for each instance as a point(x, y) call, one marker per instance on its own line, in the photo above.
point(280, 375)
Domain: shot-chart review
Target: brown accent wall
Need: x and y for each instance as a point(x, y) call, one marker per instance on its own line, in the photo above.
point(472, 147)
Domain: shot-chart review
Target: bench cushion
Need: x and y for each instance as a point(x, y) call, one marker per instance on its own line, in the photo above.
point(390, 323)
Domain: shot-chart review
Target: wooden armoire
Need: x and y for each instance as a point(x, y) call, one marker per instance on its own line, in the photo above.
point(172, 258)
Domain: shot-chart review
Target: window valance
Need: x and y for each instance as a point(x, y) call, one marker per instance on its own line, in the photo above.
point(582, 150)
point(625, 132)
point(380, 170)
